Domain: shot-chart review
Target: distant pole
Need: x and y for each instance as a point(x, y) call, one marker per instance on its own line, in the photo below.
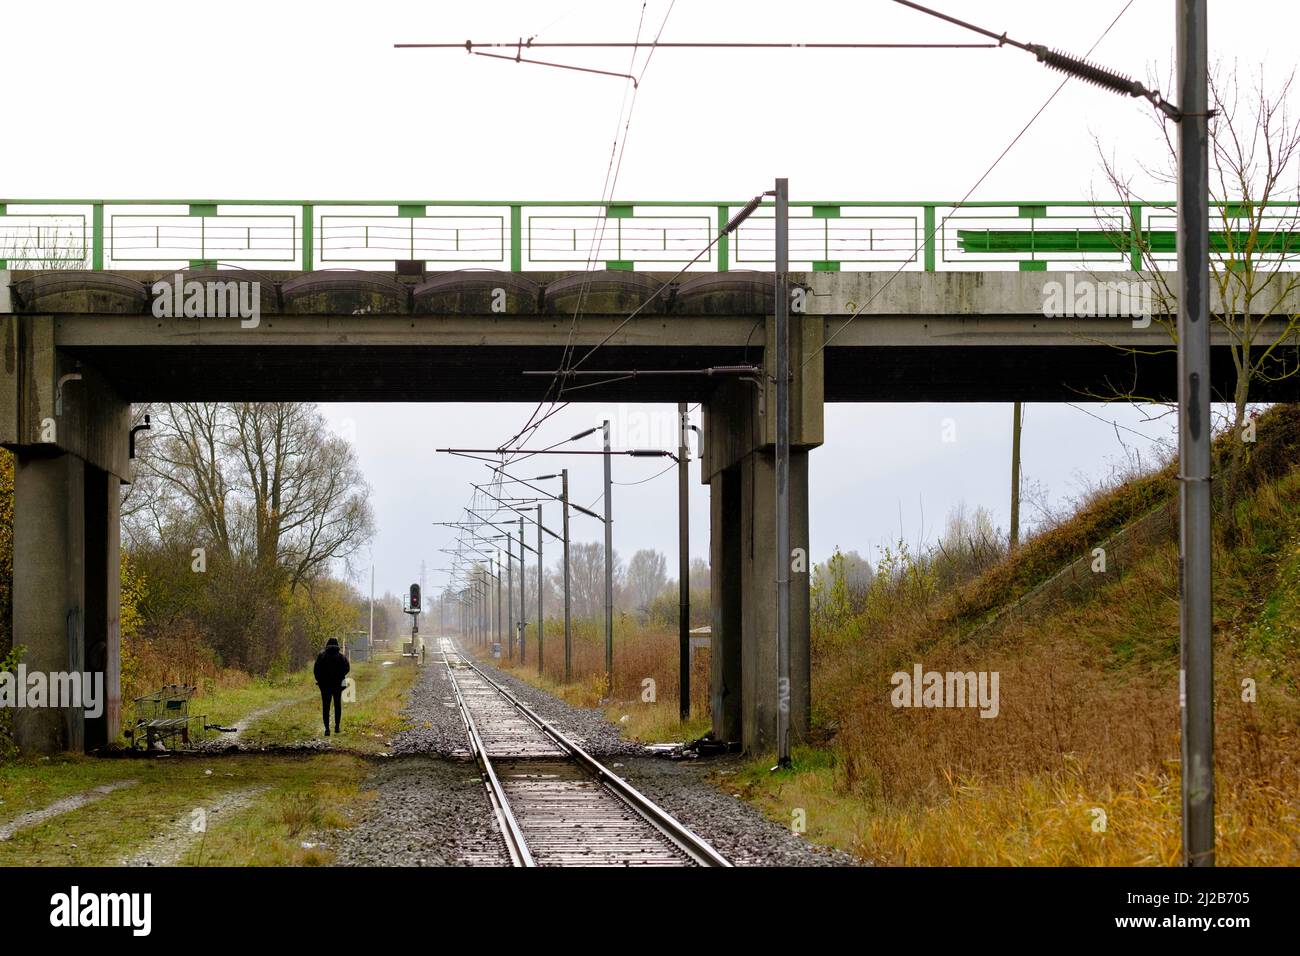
point(372, 606)
point(523, 598)
point(540, 620)
point(1015, 476)
point(609, 569)
point(782, 370)
point(683, 567)
point(510, 598)
point(1195, 622)
point(568, 616)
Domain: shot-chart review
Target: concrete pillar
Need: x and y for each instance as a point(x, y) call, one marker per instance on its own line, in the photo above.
point(49, 587)
point(103, 648)
point(739, 466)
point(67, 426)
point(758, 565)
point(726, 598)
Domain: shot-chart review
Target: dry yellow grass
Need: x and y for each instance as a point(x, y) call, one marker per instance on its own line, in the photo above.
point(1088, 717)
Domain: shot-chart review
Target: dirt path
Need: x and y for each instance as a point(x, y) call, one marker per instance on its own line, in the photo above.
point(66, 805)
point(169, 846)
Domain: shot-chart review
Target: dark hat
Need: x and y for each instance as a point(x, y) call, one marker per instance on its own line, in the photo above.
point(332, 642)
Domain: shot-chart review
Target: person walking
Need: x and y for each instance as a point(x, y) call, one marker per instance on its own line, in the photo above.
point(330, 670)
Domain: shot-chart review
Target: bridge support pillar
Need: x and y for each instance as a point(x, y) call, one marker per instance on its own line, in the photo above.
point(67, 428)
point(739, 465)
point(65, 597)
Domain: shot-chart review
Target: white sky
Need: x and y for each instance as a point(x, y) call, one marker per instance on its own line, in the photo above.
point(310, 101)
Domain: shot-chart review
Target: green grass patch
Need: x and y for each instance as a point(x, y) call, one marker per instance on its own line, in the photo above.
point(298, 797)
point(369, 723)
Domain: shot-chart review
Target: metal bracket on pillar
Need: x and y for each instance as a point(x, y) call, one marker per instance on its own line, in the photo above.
point(131, 439)
point(58, 390)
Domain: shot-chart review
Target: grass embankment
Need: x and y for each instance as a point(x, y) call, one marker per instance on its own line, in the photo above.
point(1081, 765)
point(292, 801)
point(644, 704)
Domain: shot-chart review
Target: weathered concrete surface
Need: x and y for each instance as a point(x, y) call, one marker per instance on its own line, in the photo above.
point(739, 465)
point(51, 400)
point(66, 591)
point(944, 336)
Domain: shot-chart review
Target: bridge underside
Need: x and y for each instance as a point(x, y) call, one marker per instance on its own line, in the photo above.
point(487, 373)
point(69, 377)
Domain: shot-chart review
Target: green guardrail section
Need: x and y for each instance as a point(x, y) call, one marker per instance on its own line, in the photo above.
point(1033, 237)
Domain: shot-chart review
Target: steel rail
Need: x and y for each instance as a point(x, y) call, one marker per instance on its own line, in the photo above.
point(693, 845)
point(511, 832)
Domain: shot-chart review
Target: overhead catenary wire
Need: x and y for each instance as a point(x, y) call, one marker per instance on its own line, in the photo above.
point(962, 202)
point(531, 44)
point(613, 169)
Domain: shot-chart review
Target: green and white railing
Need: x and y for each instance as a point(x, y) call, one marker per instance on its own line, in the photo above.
point(563, 235)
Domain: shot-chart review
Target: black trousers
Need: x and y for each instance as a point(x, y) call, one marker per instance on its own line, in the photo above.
point(331, 694)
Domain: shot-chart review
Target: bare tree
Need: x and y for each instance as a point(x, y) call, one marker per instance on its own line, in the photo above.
point(265, 481)
point(587, 578)
point(647, 576)
point(1254, 143)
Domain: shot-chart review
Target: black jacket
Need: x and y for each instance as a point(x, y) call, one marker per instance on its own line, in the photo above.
point(331, 667)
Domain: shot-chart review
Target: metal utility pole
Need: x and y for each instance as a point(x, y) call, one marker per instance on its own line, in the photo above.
point(1015, 477)
point(609, 568)
point(372, 606)
point(523, 598)
point(541, 626)
point(683, 566)
point(510, 598)
point(782, 473)
point(568, 618)
point(1195, 622)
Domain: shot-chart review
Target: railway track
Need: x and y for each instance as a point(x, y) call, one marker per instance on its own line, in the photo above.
point(555, 804)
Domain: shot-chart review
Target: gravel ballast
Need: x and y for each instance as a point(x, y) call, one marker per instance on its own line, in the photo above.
point(430, 807)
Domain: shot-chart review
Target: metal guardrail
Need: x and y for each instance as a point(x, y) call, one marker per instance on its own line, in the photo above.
point(556, 235)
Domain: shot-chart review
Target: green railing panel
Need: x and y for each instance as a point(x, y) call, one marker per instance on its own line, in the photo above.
point(653, 235)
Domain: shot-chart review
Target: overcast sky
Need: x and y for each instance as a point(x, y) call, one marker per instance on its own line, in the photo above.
point(310, 101)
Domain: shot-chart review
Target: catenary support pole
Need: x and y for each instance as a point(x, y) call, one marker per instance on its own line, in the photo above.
point(1014, 536)
point(541, 625)
point(568, 608)
point(609, 568)
point(1195, 622)
point(782, 370)
point(683, 566)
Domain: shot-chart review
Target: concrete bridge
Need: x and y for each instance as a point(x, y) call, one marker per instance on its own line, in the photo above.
point(81, 345)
